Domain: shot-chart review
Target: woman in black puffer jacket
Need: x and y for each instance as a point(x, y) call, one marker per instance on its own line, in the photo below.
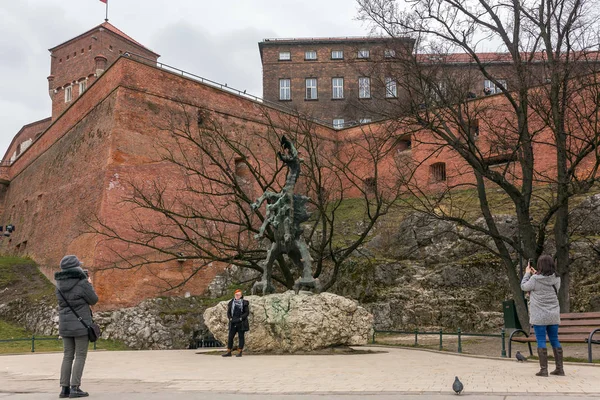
point(77, 289)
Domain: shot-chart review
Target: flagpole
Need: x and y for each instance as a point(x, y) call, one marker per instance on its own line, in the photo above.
point(106, 19)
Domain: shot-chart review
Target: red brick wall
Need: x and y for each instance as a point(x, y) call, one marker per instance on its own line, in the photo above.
point(81, 164)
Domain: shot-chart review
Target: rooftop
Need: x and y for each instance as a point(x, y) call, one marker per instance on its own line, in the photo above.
point(345, 39)
point(111, 28)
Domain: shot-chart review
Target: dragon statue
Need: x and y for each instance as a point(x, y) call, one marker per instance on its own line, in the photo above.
point(285, 212)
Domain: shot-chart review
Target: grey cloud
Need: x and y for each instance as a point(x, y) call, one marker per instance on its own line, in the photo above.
point(231, 58)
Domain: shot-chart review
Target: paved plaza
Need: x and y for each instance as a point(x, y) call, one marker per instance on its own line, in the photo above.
point(393, 373)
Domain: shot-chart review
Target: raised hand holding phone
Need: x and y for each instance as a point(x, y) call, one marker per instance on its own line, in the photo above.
point(530, 269)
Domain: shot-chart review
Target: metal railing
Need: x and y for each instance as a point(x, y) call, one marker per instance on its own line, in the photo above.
point(33, 339)
point(208, 341)
point(458, 333)
point(223, 86)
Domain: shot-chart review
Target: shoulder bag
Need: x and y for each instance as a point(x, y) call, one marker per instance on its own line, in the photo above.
point(93, 329)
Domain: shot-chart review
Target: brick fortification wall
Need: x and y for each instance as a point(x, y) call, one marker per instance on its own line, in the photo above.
point(79, 166)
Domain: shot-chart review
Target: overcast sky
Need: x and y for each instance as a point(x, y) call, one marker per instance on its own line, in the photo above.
point(214, 39)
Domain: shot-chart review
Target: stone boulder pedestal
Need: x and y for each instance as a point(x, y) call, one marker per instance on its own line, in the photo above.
point(289, 322)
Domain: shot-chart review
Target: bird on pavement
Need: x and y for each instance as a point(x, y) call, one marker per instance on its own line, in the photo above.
point(457, 386)
point(520, 357)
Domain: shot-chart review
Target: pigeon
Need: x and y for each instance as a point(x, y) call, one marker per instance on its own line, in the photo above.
point(457, 386)
point(520, 357)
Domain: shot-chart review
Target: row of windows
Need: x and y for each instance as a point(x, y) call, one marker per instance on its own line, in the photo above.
point(69, 90)
point(339, 123)
point(75, 54)
point(337, 88)
point(311, 55)
point(82, 51)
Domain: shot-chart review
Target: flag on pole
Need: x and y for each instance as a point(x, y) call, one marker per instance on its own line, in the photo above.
point(105, 2)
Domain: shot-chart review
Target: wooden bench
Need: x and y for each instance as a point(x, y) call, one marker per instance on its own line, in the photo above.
point(574, 328)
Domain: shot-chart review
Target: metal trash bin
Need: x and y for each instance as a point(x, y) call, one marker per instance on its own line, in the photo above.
point(511, 320)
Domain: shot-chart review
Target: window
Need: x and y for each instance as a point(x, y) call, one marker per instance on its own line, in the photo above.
point(311, 88)
point(82, 87)
point(437, 172)
point(403, 145)
point(68, 56)
point(391, 89)
point(60, 60)
point(364, 88)
point(68, 94)
point(337, 85)
point(365, 120)
point(285, 56)
point(389, 53)
point(338, 123)
point(82, 51)
point(285, 89)
point(310, 55)
point(337, 55)
point(490, 87)
point(363, 53)
point(90, 47)
point(110, 47)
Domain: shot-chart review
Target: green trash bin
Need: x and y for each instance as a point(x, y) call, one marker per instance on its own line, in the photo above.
point(511, 321)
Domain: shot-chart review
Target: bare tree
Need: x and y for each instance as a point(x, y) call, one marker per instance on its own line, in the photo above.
point(214, 166)
point(540, 128)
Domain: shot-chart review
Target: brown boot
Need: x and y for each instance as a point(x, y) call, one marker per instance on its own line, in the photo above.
point(228, 354)
point(558, 358)
point(543, 355)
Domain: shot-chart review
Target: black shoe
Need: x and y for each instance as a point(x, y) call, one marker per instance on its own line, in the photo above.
point(228, 354)
point(239, 354)
point(64, 392)
point(76, 392)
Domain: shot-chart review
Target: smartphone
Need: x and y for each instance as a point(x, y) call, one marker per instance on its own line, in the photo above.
point(87, 273)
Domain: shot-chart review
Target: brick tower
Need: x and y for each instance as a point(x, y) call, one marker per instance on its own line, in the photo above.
point(78, 62)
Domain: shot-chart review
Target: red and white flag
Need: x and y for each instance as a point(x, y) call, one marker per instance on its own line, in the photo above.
point(104, 1)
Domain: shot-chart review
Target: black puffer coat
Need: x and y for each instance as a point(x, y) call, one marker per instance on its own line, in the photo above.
point(80, 294)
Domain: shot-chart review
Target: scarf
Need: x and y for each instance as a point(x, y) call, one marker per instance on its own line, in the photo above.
point(237, 303)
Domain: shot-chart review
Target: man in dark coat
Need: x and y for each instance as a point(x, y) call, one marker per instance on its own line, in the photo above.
point(238, 310)
point(73, 286)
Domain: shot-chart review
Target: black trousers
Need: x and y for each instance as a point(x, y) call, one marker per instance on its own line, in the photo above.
point(233, 329)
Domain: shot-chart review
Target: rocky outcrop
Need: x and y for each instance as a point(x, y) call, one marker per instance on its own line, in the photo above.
point(585, 218)
point(289, 322)
point(162, 323)
point(40, 317)
point(409, 294)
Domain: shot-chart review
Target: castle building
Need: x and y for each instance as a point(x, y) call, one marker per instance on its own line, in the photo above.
point(339, 82)
point(110, 102)
point(74, 66)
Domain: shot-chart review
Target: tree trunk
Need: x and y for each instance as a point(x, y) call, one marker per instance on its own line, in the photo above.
point(562, 257)
point(515, 288)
